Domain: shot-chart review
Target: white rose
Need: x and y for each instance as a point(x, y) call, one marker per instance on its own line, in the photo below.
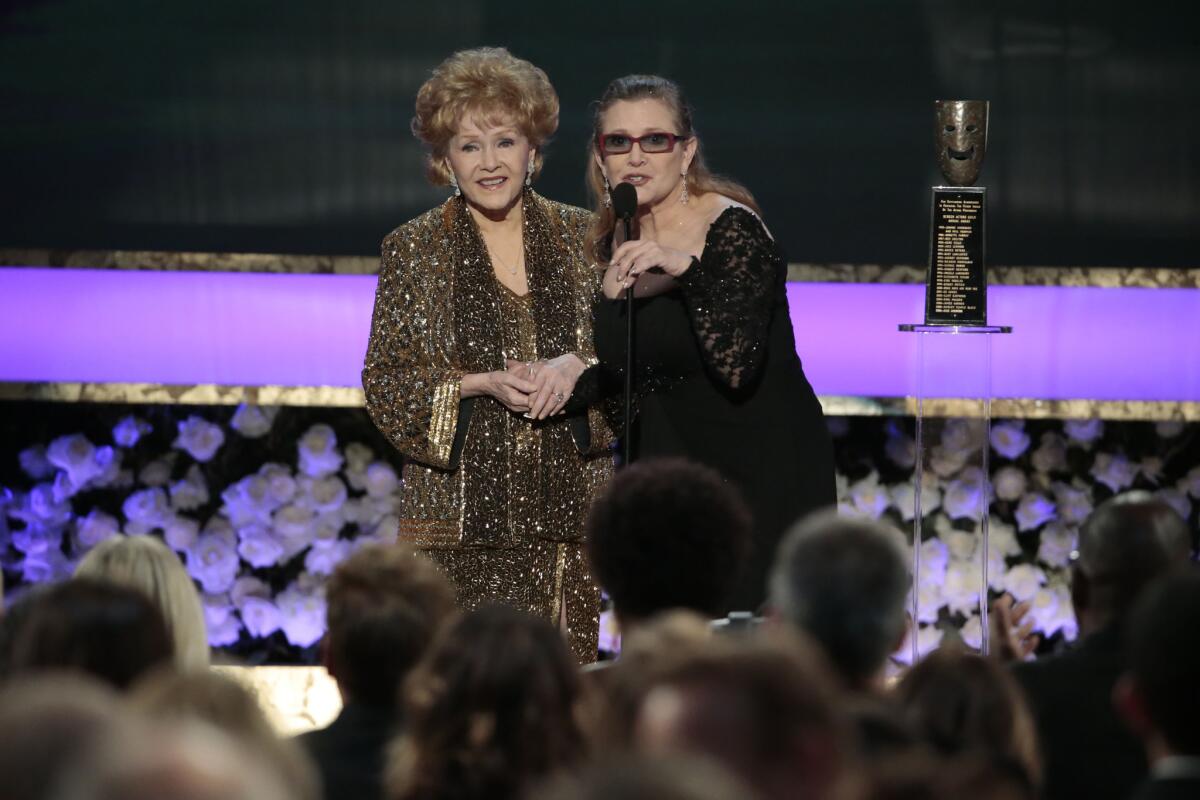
point(1009, 483)
point(963, 435)
point(147, 509)
point(258, 547)
point(1051, 454)
point(867, 498)
point(971, 632)
point(96, 527)
point(327, 494)
point(76, 456)
point(295, 527)
point(248, 500)
point(1114, 470)
point(221, 528)
point(1056, 544)
point(386, 531)
point(1023, 580)
point(1074, 504)
point(610, 632)
point(323, 557)
point(964, 498)
point(226, 633)
point(929, 638)
point(961, 588)
point(1084, 432)
point(935, 557)
point(45, 507)
point(1009, 439)
point(1168, 429)
point(180, 533)
point(34, 462)
point(1191, 483)
point(108, 464)
point(358, 456)
point(217, 608)
point(62, 488)
point(34, 540)
point(158, 471)
point(1151, 468)
point(281, 484)
point(191, 492)
point(929, 599)
point(1176, 500)
point(1002, 538)
point(303, 615)
point(381, 479)
point(129, 430)
point(253, 421)
point(248, 586)
point(213, 562)
point(47, 566)
point(961, 544)
point(903, 497)
point(261, 617)
point(901, 449)
point(944, 463)
point(199, 438)
point(318, 452)
point(1033, 510)
point(1043, 608)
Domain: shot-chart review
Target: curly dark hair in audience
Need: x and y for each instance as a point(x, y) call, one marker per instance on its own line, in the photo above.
point(385, 603)
point(489, 710)
point(667, 533)
point(111, 632)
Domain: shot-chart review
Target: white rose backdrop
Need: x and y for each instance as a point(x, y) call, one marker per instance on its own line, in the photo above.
point(262, 503)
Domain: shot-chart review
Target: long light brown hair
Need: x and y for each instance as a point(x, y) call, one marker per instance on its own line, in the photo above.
point(700, 180)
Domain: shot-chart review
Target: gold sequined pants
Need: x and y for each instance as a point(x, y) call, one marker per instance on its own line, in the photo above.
point(548, 579)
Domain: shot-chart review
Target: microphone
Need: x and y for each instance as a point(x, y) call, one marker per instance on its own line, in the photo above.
point(624, 203)
point(624, 200)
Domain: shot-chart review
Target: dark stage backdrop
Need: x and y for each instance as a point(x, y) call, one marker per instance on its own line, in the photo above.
point(245, 125)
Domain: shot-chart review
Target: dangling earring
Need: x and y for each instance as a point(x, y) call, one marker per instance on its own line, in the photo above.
point(529, 171)
point(607, 192)
point(683, 197)
point(454, 183)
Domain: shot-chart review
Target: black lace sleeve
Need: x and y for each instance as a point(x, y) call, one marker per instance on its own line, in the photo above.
point(729, 292)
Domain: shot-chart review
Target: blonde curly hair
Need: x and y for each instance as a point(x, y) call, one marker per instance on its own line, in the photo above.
point(489, 82)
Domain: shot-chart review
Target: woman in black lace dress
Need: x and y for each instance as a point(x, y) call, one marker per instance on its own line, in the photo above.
point(717, 377)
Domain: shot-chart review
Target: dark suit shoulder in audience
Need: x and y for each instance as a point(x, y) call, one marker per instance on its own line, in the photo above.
point(1087, 750)
point(350, 752)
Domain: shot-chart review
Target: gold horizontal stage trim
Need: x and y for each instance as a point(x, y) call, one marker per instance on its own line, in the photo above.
point(834, 405)
point(158, 260)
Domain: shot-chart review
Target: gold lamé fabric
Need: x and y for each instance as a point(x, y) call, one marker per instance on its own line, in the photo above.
point(495, 498)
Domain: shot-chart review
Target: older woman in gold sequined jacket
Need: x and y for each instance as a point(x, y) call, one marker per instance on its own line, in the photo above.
point(482, 325)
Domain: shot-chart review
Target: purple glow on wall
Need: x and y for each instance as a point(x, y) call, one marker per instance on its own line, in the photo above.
point(311, 330)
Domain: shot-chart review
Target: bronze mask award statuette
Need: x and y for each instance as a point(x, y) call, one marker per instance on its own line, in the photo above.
point(956, 281)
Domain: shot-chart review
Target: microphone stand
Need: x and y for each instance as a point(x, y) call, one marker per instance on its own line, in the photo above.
point(627, 434)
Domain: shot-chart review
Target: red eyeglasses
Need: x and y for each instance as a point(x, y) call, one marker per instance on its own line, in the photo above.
point(612, 144)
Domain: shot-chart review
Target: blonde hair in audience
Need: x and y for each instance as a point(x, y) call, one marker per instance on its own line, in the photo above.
point(146, 564)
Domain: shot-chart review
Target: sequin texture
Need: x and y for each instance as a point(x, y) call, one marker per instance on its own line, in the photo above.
point(496, 499)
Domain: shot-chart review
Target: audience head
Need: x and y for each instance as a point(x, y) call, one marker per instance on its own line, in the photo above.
point(1127, 541)
point(110, 632)
point(961, 703)
point(218, 700)
point(844, 582)
point(489, 710)
point(48, 723)
point(179, 760)
point(667, 534)
point(924, 775)
point(1158, 695)
point(385, 603)
point(641, 778)
point(146, 564)
point(764, 708)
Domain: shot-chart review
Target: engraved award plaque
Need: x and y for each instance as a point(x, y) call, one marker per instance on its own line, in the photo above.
point(956, 280)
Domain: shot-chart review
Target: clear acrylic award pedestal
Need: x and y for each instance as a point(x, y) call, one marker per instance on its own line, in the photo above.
point(953, 431)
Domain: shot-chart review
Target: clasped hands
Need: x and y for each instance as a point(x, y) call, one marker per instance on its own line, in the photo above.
point(537, 389)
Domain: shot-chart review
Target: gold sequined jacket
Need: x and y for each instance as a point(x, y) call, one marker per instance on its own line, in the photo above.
point(475, 474)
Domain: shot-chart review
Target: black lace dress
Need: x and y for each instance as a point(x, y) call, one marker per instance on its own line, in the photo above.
point(718, 381)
